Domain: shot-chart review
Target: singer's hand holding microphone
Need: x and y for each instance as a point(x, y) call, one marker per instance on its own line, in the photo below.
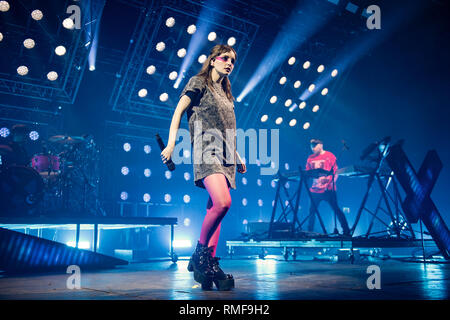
point(166, 153)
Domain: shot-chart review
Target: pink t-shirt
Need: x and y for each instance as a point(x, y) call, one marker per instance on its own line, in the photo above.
point(326, 161)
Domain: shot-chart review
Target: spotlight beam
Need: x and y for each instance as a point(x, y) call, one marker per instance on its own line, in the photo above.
point(208, 14)
point(291, 37)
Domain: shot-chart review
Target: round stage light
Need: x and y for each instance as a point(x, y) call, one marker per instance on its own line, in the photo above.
point(324, 91)
point(292, 108)
point(68, 24)
point(124, 195)
point(160, 46)
point(167, 198)
point(260, 202)
point(1, 36)
point(334, 73)
point(60, 50)
point(34, 135)
point(22, 70)
point(29, 43)
point(187, 176)
point(91, 68)
point(291, 60)
point(170, 22)
point(146, 197)
point(212, 36)
point(286, 166)
point(186, 153)
point(147, 173)
point(163, 97)
point(168, 174)
point(320, 68)
point(264, 118)
point(147, 149)
point(292, 123)
point(126, 147)
point(231, 41)
point(187, 221)
point(125, 170)
point(311, 87)
point(142, 93)
point(191, 29)
point(306, 65)
point(244, 203)
point(279, 120)
point(302, 105)
point(283, 80)
point(52, 75)
point(151, 69)
point(315, 108)
point(186, 199)
point(4, 6)
point(181, 53)
point(273, 183)
point(4, 132)
point(202, 58)
point(173, 75)
point(273, 99)
point(306, 125)
point(259, 182)
point(288, 103)
point(297, 84)
point(37, 14)
point(244, 181)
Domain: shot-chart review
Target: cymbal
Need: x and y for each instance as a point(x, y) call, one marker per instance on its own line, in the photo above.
point(61, 139)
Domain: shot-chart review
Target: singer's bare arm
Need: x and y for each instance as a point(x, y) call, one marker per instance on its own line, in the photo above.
point(182, 105)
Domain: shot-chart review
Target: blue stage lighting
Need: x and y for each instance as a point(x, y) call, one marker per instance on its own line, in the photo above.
point(207, 14)
point(147, 172)
point(292, 37)
point(186, 198)
point(125, 170)
point(147, 149)
point(182, 243)
point(126, 147)
point(34, 135)
point(4, 132)
point(146, 197)
point(124, 195)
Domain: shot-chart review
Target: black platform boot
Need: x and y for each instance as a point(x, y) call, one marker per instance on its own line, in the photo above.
point(200, 264)
point(222, 280)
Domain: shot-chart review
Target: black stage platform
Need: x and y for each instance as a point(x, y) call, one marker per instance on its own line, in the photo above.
point(271, 279)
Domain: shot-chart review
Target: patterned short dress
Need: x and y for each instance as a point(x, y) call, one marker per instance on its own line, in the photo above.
point(212, 112)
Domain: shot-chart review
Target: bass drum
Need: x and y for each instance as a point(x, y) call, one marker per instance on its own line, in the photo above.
point(21, 189)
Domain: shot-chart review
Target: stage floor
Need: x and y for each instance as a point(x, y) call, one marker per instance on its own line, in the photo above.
point(255, 279)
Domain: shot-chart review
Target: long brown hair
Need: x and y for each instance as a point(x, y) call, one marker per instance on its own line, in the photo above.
point(205, 71)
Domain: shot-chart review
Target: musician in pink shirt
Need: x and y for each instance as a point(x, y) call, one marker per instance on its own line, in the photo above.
point(324, 187)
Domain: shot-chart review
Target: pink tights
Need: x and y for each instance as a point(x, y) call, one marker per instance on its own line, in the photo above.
point(218, 204)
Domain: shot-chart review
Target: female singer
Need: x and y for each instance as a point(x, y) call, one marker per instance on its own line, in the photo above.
point(208, 100)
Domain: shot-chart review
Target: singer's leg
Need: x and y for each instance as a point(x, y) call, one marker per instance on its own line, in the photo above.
point(217, 187)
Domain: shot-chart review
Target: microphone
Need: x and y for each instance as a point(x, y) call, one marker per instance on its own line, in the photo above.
point(170, 165)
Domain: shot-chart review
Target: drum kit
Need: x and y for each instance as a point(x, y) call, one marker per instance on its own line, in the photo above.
point(62, 179)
